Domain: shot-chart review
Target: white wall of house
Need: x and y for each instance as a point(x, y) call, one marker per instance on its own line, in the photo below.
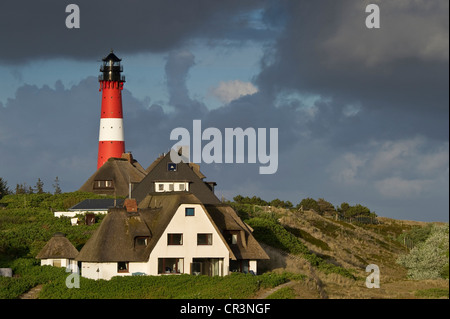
point(189, 226)
point(58, 262)
point(108, 270)
point(74, 213)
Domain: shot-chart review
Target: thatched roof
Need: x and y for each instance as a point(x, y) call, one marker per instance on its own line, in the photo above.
point(121, 171)
point(115, 239)
point(58, 247)
point(186, 172)
point(226, 219)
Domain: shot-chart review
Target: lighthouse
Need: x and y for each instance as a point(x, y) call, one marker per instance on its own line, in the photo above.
point(111, 139)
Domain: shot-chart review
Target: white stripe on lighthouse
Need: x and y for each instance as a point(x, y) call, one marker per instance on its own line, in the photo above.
point(111, 130)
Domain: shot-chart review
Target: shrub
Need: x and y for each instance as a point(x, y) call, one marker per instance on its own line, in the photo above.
point(429, 259)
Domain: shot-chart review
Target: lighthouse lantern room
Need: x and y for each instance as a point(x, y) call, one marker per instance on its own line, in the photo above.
point(111, 138)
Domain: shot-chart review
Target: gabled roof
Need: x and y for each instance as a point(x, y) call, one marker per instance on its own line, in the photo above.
point(121, 171)
point(190, 172)
point(114, 240)
point(58, 247)
point(226, 219)
point(97, 204)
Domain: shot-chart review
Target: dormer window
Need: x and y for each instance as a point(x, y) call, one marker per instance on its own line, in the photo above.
point(103, 184)
point(163, 186)
point(231, 237)
point(141, 241)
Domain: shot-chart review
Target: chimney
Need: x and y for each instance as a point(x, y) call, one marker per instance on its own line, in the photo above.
point(128, 156)
point(131, 205)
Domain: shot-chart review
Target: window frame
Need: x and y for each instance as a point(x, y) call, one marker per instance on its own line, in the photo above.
point(171, 241)
point(178, 261)
point(189, 214)
point(174, 165)
point(207, 242)
point(127, 267)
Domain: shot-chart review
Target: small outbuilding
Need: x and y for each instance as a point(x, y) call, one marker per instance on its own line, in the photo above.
point(58, 252)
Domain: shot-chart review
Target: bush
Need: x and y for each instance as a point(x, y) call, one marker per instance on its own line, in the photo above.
point(236, 285)
point(429, 259)
point(29, 274)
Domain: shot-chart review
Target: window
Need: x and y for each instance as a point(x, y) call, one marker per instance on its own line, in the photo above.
point(122, 266)
point(141, 241)
point(161, 187)
point(190, 211)
point(171, 187)
point(172, 167)
point(174, 239)
point(204, 239)
point(234, 239)
point(240, 265)
point(56, 262)
point(231, 237)
point(102, 184)
point(181, 187)
point(170, 265)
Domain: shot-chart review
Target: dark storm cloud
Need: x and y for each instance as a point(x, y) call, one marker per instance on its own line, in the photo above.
point(398, 74)
point(377, 133)
point(36, 29)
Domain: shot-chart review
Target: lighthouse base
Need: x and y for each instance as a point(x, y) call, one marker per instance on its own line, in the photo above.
point(107, 149)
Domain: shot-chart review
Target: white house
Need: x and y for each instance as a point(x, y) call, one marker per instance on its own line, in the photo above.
point(175, 234)
point(58, 252)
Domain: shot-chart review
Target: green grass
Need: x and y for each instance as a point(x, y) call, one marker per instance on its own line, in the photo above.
point(432, 293)
point(234, 286)
point(283, 293)
point(29, 274)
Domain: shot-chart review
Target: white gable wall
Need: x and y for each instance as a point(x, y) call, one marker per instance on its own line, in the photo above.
point(189, 226)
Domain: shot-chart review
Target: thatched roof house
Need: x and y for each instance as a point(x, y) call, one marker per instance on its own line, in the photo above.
point(140, 239)
point(163, 172)
point(114, 177)
point(58, 251)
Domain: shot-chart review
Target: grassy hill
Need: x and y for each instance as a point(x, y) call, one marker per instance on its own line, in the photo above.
point(349, 246)
point(315, 255)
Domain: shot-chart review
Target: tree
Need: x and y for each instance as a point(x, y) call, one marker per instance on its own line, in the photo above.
point(21, 189)
point(4, 190)
point(325, 206)
point(56, 186)
point(309, 204)
point(343, 208)
point(39, 186)
point(358, 210)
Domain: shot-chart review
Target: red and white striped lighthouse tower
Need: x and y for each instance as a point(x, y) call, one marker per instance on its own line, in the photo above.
point(111, 140)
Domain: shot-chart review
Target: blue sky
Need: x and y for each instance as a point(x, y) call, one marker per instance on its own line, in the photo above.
point(362, 114)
